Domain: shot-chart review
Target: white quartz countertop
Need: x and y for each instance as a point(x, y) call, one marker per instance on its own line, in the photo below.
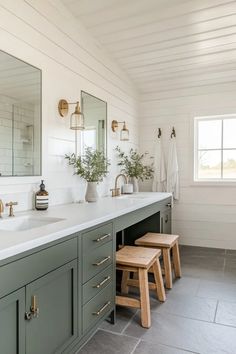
point(75, 217)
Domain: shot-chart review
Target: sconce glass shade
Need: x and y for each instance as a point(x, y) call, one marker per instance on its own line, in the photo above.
point(77, 119)
point(124, 133)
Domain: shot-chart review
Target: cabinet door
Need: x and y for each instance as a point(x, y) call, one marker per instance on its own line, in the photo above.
point(12, 323)
point(165, 221)
point(55, 297)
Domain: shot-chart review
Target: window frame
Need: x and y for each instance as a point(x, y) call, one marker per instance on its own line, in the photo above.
point(196, 150)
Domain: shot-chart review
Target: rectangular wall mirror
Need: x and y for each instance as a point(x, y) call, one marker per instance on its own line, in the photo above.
point(20, 117)
point(95, 120)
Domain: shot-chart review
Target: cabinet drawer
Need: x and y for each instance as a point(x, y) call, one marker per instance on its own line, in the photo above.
point(97, 237)
point(97, 308)
point(97, 260)
point(21, 272)
point(165, 204)
point(97, 284)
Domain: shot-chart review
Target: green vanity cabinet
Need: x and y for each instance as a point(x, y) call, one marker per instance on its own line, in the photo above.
point(54, 297)
point(165, 221)
point(54, 327)
point(98, 290)
point(42, 315)
point(12, 323)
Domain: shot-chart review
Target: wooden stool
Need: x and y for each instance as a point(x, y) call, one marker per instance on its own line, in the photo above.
point(166, 243)
point(139, 260)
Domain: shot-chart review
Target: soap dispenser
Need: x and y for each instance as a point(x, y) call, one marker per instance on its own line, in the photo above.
point(41, 198)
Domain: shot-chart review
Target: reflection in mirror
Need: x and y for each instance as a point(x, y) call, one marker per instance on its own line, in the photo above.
point(20, 117)
point(95, 121)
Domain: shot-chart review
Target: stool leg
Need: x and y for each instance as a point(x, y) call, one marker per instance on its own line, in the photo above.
point(124, 286)
point(144, 298)
point(176, 260)
point(167, 267)
point(156, 267)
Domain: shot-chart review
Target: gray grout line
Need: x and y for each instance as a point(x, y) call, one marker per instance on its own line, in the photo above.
point(123, 330)
point(119, 334)
point(188, 318)
point(181, 316)
point(136, 345)
point(216, 310)
point(171, 346)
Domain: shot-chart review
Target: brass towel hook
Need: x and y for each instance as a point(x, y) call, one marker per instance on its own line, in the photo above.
point(173, 133)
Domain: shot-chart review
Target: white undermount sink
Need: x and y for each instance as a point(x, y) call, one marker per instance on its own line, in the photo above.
point(26, 222)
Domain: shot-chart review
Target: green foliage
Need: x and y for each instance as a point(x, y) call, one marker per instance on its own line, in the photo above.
point(133, 166)
point(92, 166)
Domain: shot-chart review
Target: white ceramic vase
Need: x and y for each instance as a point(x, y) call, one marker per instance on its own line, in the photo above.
point(134, 181)
point(91, 192)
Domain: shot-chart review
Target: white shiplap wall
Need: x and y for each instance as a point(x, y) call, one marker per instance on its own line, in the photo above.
point(204, 215)
point(181, 55)
point(44, 34)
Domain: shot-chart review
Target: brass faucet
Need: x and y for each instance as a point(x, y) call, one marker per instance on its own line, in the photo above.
point(116, 191)
point(1, 207)
point(11, 204)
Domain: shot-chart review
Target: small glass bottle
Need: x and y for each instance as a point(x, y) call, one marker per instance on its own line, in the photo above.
point(41, 198)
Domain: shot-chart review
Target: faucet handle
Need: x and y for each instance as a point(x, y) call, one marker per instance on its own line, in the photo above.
point(11, 204)
point(1, 207)
point(115, 192)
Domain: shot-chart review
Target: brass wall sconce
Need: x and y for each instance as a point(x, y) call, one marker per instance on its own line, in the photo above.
point(76, 118)
point(124, 133)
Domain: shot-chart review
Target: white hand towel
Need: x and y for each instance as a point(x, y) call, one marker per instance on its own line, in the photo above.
point(159, 179)
point(173, 170)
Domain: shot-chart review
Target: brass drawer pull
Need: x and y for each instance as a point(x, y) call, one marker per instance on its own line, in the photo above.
point(102, 282)
point(99, 239)
point(102, 309)
point(102, 261)
point(34, 310)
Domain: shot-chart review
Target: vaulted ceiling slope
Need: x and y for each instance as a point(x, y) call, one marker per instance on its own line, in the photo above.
point(165, 45)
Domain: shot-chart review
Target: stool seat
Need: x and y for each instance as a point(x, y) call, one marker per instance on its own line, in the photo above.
point(157, 240)
point(139, 260)
point(169, 246)
point(138, 257)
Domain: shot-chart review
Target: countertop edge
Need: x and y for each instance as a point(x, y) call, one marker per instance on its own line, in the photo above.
point(31, 244)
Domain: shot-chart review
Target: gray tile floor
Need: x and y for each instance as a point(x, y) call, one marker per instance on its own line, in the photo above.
point(199, 315)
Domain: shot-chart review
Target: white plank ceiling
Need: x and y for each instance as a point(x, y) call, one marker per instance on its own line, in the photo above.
point(165, 44)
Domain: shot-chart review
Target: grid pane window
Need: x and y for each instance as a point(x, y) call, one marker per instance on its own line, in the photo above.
point(229, 164)
point(209, 164)
point(229, 137)
point(215, 148)
point(209, 134)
